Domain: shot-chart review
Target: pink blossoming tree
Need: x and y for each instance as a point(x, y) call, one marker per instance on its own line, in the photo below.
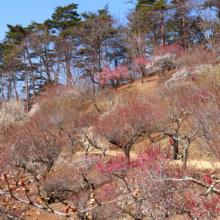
point(139, 64)
point(112, 77)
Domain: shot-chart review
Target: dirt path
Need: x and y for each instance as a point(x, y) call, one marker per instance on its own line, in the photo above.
point(149, 84)
point(199, 164)
point(202, 164)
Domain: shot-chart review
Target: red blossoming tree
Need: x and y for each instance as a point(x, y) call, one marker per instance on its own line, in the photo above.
point(124, 124)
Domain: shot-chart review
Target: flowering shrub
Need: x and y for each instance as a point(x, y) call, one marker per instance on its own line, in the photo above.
point(160, 63)
point(112, 76)
point(140, 61)
point(169, 49)
point(178, 77)
point(139, 64)
point(185, 74)
point(145, 176)
point(37, 145)
point(82, 162)
point(164, 58)
point(120, 165)
point(125, 124)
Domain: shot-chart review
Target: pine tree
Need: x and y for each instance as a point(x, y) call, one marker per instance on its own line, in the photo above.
point(179, 23)
point(41, 42)
point(10, 66)
point(97, 38)
point(214, 5)
point(156, 6)
point(63, 20)
point(18, 35)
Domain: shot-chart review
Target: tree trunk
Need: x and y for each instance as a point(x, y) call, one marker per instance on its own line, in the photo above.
point(26, 82)
point(47, 195)
point(86, 153)
point(218, 6)
point(9, 91)
point(103, 153)
point(127, 153)
point(175, 149)
point(32, 74)
point(168, 70)
point(72, 148)
point(33, 85)
point(155, 39)
point(16, 93)
point(162, 26)
point(142, 76)
point(139, 42)
point(96, 107)
point(46, 64)
point(185, 157)
point(57, 73)
point(3, 96)
point(92, 78)
point(184, 37)
point(67, 64)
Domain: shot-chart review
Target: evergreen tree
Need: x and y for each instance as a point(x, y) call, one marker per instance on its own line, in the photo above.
point(184, 25)
point(18, 35)
point(181, 12)
point(97, 39)
point(10, 66)
point(155, 6)
point(41, 42)
point(63, 20)
point(214, 5)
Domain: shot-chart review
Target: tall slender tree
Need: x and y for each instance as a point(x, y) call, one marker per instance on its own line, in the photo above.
point(63, 20)
point(41, 42)
point(180, 14)
point(18, 35)
point(156, 6)
point(10, 66)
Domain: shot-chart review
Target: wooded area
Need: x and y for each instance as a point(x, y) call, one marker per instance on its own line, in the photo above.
point(73, 49)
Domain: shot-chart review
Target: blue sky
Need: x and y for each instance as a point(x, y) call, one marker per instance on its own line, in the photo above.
point(23, 12)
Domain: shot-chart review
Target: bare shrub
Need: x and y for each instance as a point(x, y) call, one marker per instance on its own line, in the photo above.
point(37, 144)
point(71, 177)
point(205, 106)
point(192, 58)
point(5, 154)
point(177, 121)
point(12, 113)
